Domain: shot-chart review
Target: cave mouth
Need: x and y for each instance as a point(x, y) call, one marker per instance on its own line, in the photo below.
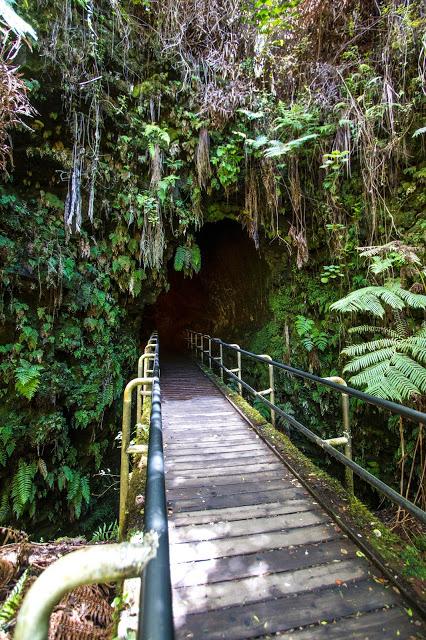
point(226, 298)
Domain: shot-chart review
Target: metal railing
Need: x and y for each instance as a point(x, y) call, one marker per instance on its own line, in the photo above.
point(148, 560)
point(196, 342)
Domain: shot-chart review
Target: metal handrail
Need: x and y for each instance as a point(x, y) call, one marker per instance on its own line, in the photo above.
point(365, 475)
point(156, 619)
point(91, 565)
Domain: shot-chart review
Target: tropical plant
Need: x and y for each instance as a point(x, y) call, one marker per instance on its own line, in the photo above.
point(311, 336)
point(105, 532)
point(187, 259)
point(392, 365)
point(9, 608)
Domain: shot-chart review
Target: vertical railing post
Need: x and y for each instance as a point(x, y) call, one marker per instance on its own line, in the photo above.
point(271, 390)
point(347, 435)
point(210, 352)
point(238, 369)
point(125, 441)
point(221, 360)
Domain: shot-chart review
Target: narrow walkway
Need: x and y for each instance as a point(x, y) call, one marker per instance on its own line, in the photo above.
point(252, 553)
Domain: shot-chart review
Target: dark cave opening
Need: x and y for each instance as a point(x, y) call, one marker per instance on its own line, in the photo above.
point(227, 298)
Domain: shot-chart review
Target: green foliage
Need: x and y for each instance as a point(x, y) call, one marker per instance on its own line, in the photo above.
point(312, 337)
point(370, 299)
point(105, 532)
point(9, 608)
point(22, 486)
point(187, 259)
point(27, 378)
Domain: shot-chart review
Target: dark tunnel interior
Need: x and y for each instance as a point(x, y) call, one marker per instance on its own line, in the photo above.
point(227, 297)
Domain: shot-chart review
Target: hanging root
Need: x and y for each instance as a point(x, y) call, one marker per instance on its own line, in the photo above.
point(202, 159)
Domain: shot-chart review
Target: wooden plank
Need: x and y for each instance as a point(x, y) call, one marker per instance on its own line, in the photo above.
point(182, 439)
point(246, 527)
point(208, 597)
point(236, 500)
point(231, 461)
point(189, 574)
point(280, 614)
point(194, 551)
point(219, 448)
point(246, 486)
point(375, 625)
point(241, 513)
point(173, 482)
point(218, 471)
point(257, 454)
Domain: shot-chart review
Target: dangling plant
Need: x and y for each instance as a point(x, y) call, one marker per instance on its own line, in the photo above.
point(188, 259)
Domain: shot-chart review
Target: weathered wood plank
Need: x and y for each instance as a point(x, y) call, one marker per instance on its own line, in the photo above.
point(207, 597)
point(241, 513)
point(245, 486)
point(255, 564)
point(175, 482)
point(376, 625)
point(279, 614)
point(201, 532)
point(236, 500)
point(218, 471)
point(194, 551)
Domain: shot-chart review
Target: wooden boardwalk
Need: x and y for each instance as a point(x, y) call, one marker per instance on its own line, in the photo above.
point(252, 554)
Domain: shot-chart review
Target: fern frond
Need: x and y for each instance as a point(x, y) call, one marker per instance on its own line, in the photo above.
point(370, 376)
point(415, 345)
point(401, 384)
point(412, 300)
point(369, 359)
point(411, 370)
point(368, 300)
point(196, 258)
point(9, 608)
point(27, 378)
point(22, 485)
point(364, 347)
point(369, 328)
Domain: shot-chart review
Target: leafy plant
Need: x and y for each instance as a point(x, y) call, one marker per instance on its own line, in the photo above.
point(187, 259)
point(105, 532)
point(10, 607)
point(311, 336)
point(27, 377)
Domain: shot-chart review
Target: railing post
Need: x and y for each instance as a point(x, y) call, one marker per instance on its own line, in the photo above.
point(347, 435)
point(238, 369)
point(143, 371)
point(221, 360)
point(271, 390)
point(210, 352)
point(125, 441)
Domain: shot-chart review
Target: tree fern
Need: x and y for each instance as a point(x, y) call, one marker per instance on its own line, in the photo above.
point(392, 365)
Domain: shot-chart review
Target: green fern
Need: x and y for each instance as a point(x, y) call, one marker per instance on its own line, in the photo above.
point(27, 378)
point(9, 608)
point(22, 485)
point(390, 366)
point(370, 299)
point(105, 532)
point(180, 258)
point(196, 258)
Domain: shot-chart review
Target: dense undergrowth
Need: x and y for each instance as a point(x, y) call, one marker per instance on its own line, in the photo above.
point(303, 121)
